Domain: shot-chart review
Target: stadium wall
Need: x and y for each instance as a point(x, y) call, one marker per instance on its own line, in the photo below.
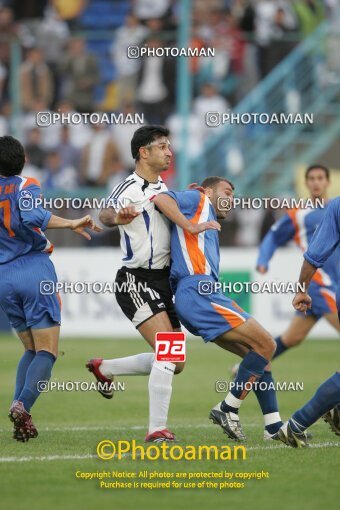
point(98, 315)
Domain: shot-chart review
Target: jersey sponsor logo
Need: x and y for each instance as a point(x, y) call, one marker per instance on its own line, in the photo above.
point(170, 346)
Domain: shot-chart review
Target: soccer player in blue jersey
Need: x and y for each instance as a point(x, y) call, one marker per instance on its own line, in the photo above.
point(205, 311)
point(326, 401)
point(24, 266)
point(299, 225)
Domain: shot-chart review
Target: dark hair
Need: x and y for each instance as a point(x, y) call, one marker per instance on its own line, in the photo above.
point(315, 167)
point(145, 135)
point(210, 182)
point(12, 156)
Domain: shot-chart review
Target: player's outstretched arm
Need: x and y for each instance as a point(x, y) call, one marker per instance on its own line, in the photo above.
point(111, 218)
point(169, 207)
point(302, 301)
point(78, 226)
point(280, 233)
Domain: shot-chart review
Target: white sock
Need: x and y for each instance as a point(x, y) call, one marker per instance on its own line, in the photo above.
point(271, 418)
point(139, 364)
point(160, 388)
point(233, 401)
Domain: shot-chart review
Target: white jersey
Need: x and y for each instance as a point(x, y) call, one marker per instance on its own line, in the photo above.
point(145, 242)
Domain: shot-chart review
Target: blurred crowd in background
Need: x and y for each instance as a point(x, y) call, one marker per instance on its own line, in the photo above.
point(74, 59)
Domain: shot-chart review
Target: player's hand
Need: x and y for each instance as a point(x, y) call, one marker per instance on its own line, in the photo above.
point(261, 269)
point(197, 228)
point(302, 302)
point(195, 185)
point(78, 226)
point(126, 215)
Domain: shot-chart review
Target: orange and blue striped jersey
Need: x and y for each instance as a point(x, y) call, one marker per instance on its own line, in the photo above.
point(193, 254)
point(326, 240)
point(299, 225)
point(22, 219)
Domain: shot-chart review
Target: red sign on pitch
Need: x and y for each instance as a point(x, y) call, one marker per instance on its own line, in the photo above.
point(170, 346)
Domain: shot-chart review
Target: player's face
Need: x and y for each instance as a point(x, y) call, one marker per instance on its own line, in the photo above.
point(317, 182)
point(159, 154)
point(222, 197)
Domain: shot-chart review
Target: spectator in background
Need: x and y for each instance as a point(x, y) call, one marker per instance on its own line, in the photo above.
point(51, 34)
point(146, 9)
point(30, 120)
point(9, 30)
point(195, 42)
point(284, 38)
point(80, 71)
point(3, 80)
point(209, 100)
point(156, 84)
point(69, 154)
point(245, 14)
point(100, 158)
point(33, 148)
point(79, 134)
point(56, 176)
point(266, 23)
point(310, 13)
point(36, 79)
point(226, 66)
point(130, 34)
point(122, 135)
point(195, 135)
point(70, 10)
point(5, 113)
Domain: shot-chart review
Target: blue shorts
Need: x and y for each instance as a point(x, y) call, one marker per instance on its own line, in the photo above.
point(323, 301)
point(20, 292)
point(208, 315)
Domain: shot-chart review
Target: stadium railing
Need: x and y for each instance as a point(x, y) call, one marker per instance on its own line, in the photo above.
point(307, 81)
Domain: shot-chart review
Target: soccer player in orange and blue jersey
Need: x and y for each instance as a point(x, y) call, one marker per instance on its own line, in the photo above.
point(24, 267)
point(205, 311)
point(299, 225)
point(326, 401)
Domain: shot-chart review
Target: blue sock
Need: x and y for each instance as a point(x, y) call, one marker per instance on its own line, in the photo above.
point(39, 370)
point(22, 368)
point(264, 390)
point(251, 368)
point(325, 398)
point(280, 347)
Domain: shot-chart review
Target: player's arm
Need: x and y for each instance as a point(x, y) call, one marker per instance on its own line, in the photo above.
point(324, 242)
point(120, 206)
point(112, 218)
point(326, 237)
point(168, 206)
point(280, 233)
point(302, 301)
point(34, 215)
point(78, 226)
point(39, 217)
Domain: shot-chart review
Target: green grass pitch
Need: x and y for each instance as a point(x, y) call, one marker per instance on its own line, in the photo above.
point(41, 473)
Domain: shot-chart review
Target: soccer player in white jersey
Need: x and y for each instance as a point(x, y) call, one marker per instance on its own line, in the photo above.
point(145, 244)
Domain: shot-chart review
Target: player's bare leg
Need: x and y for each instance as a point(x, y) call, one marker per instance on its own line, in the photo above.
point(47, 339)
point(333, 320)
point(45, 343)
point(297, 330)
point(256, 346)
